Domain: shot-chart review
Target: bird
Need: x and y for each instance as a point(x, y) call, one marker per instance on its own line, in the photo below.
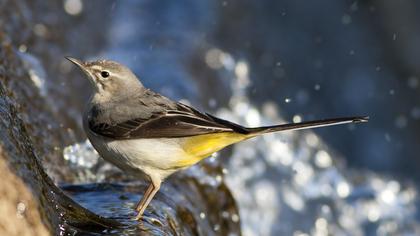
point(148, 135)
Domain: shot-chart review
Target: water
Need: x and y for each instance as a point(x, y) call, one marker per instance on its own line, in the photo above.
point(255, 64)
point(193, 202)
point(289, 183)
point(117, 201)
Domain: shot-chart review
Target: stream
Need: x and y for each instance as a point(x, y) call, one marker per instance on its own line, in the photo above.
point(288, 183)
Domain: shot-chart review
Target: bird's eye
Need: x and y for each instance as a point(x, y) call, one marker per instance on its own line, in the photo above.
point(105, 74)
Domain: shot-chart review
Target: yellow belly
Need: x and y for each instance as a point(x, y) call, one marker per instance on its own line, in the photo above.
point(201, 146)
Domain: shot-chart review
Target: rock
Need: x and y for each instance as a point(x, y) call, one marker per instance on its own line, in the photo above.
point(19, 215)
point(21, 154)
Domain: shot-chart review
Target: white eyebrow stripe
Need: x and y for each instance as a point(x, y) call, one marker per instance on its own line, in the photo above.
point(95, 67)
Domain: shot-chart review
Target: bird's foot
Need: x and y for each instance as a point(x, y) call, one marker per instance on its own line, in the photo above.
point(151, 220)
point(138, 217)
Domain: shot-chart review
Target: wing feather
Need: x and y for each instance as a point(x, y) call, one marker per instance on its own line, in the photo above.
point(183, 121)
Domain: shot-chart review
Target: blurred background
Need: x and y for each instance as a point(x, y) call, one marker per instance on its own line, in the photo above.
point(312, 59)
point(259, 63)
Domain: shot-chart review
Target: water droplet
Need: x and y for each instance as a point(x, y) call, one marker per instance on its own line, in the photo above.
point(241, 69)
point(354, 6)
point(302, 96)
point(213, 58)
point(114, 4)
point(40, 30)
point(413, 82)
point(318, 64)
point(387, 196)
point(225, 214)
point(23, 48)
point(346, 19)
point(293, 199)
point(212, 103)
point(415, 112)
point(73, 7)
point(253, 117)
point(299, 233)
point(297, 118)
point(401, 121)
point(388, 137)
point(343, 189)
point(312, 140)
point(321, 224)
point(215, 154)
point(373, 213)
point(323, 159)
point(235, 218)
point(391, 92)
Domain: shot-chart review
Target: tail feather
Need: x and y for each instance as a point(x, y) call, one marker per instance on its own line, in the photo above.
point(306, 125)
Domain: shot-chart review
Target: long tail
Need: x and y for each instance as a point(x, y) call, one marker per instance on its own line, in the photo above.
point(306, 125)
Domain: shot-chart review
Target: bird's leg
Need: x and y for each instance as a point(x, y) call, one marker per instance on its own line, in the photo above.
point(143, 199)
point(155, 186)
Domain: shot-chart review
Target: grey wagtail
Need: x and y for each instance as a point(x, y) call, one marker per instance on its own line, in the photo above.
point(146, 134)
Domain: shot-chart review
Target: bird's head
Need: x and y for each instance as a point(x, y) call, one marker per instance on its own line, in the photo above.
point(109, 78)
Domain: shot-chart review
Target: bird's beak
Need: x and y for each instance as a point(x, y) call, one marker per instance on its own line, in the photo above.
point(77, 62)
point(82, 66)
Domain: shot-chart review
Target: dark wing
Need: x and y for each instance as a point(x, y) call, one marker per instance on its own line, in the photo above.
point(182, 121)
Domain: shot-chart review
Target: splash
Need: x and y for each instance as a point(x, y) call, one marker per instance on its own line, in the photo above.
point(289, 183)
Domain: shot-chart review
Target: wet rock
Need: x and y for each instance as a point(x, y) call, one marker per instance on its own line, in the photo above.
point(22, 155)
point(193, 201)
point(184, 206)
point(19, 213)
